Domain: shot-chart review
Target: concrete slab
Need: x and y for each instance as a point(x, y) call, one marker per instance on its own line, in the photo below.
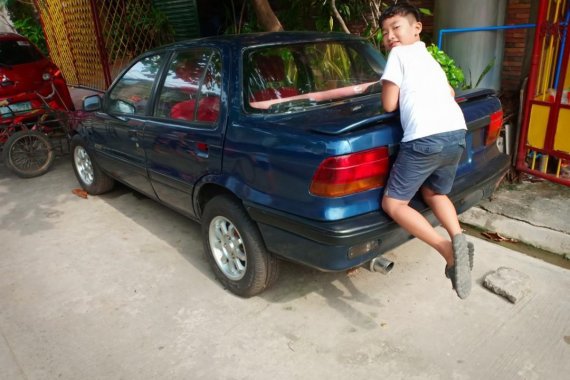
point(535, 213)
point(116, 286)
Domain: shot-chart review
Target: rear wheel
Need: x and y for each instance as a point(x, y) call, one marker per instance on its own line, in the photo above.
point(28, 154)
point(235, 249)
point(90, 176)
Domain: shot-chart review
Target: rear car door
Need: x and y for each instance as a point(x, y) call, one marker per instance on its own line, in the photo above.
point(183, 138)
point(118, 132)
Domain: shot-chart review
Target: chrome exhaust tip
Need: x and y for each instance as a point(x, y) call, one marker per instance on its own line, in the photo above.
point(381, 265)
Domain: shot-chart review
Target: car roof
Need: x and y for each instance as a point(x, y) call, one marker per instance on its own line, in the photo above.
point(8, 36)
point(254, 39)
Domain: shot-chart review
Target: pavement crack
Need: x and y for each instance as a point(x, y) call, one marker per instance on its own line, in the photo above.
point(511, 217)
point(12, 354)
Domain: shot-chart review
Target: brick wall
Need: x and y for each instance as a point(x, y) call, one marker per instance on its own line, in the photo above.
point(518, 12)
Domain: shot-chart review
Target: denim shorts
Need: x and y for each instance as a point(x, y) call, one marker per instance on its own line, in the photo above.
point(431, 161)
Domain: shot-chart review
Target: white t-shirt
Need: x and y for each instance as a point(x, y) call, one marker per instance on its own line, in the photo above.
point(426, 104)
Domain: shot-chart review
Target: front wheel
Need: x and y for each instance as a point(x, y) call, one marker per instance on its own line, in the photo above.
point(88, 173)
point(28, 154)
point(235, 249)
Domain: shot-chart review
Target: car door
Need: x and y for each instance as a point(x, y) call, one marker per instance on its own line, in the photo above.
point(183, 138)
point(117, 135)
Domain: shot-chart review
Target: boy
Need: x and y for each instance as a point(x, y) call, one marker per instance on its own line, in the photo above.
point(433, 141)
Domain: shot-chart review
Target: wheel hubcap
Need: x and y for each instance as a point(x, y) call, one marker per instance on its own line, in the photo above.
point(83, 165)
point(227, 248)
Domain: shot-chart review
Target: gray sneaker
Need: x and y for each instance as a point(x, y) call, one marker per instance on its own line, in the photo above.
point(460, 272)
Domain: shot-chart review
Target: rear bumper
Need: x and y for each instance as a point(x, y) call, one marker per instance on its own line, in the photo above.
point(327, 245)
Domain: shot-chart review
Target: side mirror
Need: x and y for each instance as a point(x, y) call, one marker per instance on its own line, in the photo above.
point(92, 103)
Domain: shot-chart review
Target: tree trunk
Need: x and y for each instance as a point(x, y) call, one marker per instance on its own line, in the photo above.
point(339, 17)
point(265, 16)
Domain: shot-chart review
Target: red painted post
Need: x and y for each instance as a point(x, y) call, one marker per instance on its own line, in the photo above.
point(100, 44)
point(540, 31)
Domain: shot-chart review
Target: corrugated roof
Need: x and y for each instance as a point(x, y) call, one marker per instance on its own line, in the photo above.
point(182, 15)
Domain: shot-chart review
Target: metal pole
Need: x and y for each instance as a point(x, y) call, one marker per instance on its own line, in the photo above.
point(479, 29)
point(100, 44)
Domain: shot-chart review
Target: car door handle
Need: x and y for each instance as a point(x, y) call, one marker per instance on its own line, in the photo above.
point(134, 133)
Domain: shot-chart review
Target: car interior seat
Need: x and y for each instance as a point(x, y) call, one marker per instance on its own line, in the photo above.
point(271, 75)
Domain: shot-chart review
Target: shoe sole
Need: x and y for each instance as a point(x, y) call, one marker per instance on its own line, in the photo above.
point(461, 267)
point(471, 254)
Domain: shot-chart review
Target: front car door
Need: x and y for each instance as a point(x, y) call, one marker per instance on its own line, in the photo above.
point(183, 139)
point(118, 132)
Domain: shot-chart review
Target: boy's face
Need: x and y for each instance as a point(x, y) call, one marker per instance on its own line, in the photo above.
point(400, 30)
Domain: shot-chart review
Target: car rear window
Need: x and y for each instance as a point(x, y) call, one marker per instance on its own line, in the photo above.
point(296, 77)
point(17, 52)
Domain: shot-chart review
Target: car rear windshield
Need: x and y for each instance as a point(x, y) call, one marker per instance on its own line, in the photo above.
point(296, 77)
point(17, 52)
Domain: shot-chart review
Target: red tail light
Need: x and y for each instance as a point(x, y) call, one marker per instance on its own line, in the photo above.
point(494, 127)
point(351, 173)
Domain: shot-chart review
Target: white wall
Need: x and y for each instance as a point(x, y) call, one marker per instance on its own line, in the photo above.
point(5, 22)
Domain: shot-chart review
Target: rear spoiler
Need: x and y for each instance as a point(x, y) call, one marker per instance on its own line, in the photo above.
point(463, 96)
point(361, 124)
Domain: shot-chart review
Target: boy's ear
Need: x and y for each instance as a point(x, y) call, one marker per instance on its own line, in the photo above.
point(418, 28)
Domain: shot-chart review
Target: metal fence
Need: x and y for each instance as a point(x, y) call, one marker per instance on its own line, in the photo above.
point(91, 41)
point(544, 148)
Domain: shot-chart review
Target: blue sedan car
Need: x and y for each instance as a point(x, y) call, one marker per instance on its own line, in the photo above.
point(276, 143)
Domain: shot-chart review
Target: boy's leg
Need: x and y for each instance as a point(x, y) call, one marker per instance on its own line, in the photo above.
point(414, 222)
point(443, 209)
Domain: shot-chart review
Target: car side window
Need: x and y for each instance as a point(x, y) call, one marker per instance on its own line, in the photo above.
point(132, 92)
point(192, 87)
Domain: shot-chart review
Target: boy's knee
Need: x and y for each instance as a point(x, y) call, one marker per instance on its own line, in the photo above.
point(389, 204)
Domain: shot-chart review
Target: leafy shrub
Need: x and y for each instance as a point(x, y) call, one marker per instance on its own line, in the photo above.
point(454, 74)
point(30, 28)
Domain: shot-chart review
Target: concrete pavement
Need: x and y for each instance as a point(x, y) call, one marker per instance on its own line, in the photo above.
point(116, 287)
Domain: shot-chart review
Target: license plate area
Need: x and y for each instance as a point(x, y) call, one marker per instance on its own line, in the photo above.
point(15, 109)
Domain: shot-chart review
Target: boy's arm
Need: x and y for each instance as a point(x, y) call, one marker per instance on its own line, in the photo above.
point(390, 96)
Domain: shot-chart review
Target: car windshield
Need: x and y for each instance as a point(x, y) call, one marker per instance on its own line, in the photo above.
point(288, 78)
point(17, 52)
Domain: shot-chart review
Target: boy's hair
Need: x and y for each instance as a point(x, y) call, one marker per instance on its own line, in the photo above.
point(401, 8)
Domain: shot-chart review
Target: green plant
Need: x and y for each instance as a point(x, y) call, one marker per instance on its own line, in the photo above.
point(483, 74)
point(29, 28)
point(454, 74)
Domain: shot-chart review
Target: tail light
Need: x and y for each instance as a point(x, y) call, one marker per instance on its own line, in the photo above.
point(494, 127)
point(352, 173)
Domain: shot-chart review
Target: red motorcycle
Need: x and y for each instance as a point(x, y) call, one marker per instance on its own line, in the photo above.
point(33, 127)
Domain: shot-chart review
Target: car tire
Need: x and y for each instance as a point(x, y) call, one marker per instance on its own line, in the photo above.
point(89, 175)
point(234, 248)
point(28, 154)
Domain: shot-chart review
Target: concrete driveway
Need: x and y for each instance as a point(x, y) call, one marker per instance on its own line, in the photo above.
point(116, 287)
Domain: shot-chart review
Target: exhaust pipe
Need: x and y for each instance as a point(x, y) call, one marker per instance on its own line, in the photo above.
point(381, 265)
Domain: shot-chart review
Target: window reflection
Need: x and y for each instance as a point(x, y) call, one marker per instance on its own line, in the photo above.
point(193, 78)
point(131, 94)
